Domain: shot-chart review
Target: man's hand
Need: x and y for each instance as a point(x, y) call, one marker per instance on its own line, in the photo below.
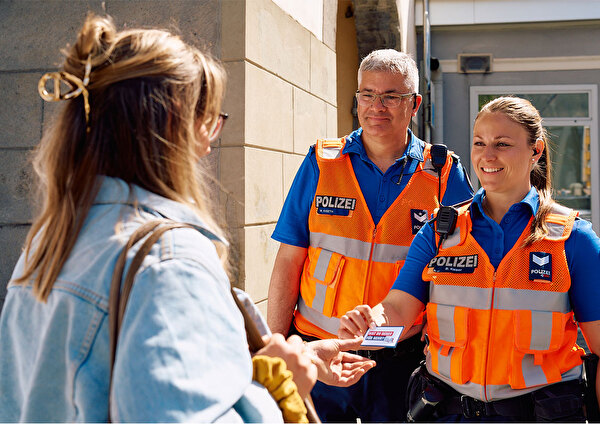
point(335, 366)
point(293, 352)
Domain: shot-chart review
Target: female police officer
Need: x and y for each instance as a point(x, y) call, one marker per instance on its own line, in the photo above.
point(502, 290)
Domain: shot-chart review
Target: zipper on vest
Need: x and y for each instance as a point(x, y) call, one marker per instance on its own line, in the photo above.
point(369, 265)
point(487, 357)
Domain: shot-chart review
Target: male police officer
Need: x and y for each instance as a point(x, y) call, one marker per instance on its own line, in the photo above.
point(351, 213)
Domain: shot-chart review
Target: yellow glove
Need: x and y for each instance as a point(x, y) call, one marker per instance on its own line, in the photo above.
point(273, 374)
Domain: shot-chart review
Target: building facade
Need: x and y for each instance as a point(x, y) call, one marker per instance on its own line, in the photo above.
point(546, 51)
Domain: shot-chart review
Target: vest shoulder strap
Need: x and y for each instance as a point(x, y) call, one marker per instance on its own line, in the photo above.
point(558, 209)
point(560, 222)
point(329, 148)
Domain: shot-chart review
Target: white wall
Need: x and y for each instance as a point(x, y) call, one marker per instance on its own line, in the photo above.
point(467, 12)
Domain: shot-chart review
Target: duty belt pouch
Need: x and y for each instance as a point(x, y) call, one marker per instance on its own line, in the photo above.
point(422, 396)
point(590, 365)
point(560, 402)
point(414, 389)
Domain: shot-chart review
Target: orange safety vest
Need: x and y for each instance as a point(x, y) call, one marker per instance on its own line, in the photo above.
point(351, 261)
point(500, 333)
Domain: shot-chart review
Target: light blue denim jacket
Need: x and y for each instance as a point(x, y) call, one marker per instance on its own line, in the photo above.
point(182, 352)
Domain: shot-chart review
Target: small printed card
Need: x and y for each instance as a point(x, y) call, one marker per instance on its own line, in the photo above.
point(382, 336)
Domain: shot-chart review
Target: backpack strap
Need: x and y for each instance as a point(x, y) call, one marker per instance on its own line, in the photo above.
point(118, 296)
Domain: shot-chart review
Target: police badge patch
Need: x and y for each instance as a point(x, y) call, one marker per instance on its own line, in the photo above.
point(334, 205)
point(455, 264)
point(540, 266)
point(418, 218)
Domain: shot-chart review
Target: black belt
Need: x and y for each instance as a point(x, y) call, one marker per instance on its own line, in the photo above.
point(411, 345)
point(455, 403)
point(547, 400)
point(518, 407)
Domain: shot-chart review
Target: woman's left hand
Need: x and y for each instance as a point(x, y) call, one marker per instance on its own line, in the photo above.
point(335, 366)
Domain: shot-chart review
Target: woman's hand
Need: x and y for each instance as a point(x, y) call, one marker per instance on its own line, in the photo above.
point(293, 352)
point(334, 365)
point(356, 322)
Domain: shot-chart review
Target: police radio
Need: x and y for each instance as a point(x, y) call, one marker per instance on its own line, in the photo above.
point(439, 155)
point(445, 221)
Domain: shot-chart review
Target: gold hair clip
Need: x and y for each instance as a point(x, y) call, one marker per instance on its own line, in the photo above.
point(76, 87)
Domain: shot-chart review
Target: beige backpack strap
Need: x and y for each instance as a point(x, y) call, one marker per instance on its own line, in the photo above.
point(118, 296)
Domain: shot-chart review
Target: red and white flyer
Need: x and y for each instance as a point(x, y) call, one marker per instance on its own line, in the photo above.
point(382, 336)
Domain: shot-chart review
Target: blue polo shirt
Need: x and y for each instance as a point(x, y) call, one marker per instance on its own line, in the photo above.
point(379, 189)
point(582, 250)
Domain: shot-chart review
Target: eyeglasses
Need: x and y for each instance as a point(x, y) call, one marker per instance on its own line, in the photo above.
point(217, 127)
point(390, 100)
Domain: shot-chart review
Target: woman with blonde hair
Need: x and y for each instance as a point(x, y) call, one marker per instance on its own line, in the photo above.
point(143, 107)
point(504, 291)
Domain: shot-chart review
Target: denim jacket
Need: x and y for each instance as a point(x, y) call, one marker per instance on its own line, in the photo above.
point(182, 353)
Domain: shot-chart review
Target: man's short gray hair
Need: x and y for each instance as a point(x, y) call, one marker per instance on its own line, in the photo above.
point(392, 61)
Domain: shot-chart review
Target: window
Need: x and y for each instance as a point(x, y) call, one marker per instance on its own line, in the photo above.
point(555, 105)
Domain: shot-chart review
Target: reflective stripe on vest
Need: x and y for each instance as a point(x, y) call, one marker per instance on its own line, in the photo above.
point(357, 249)
point(452, 240)
point(498, 333)
point(496, 391)
point(504, 298)
point(346, 248)
point(329, 324)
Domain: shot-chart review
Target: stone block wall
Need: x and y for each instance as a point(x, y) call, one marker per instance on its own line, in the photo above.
point(281, 96)
point(377, 25)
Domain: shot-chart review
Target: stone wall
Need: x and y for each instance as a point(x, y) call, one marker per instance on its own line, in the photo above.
point(377, 25)
point(281, 98)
